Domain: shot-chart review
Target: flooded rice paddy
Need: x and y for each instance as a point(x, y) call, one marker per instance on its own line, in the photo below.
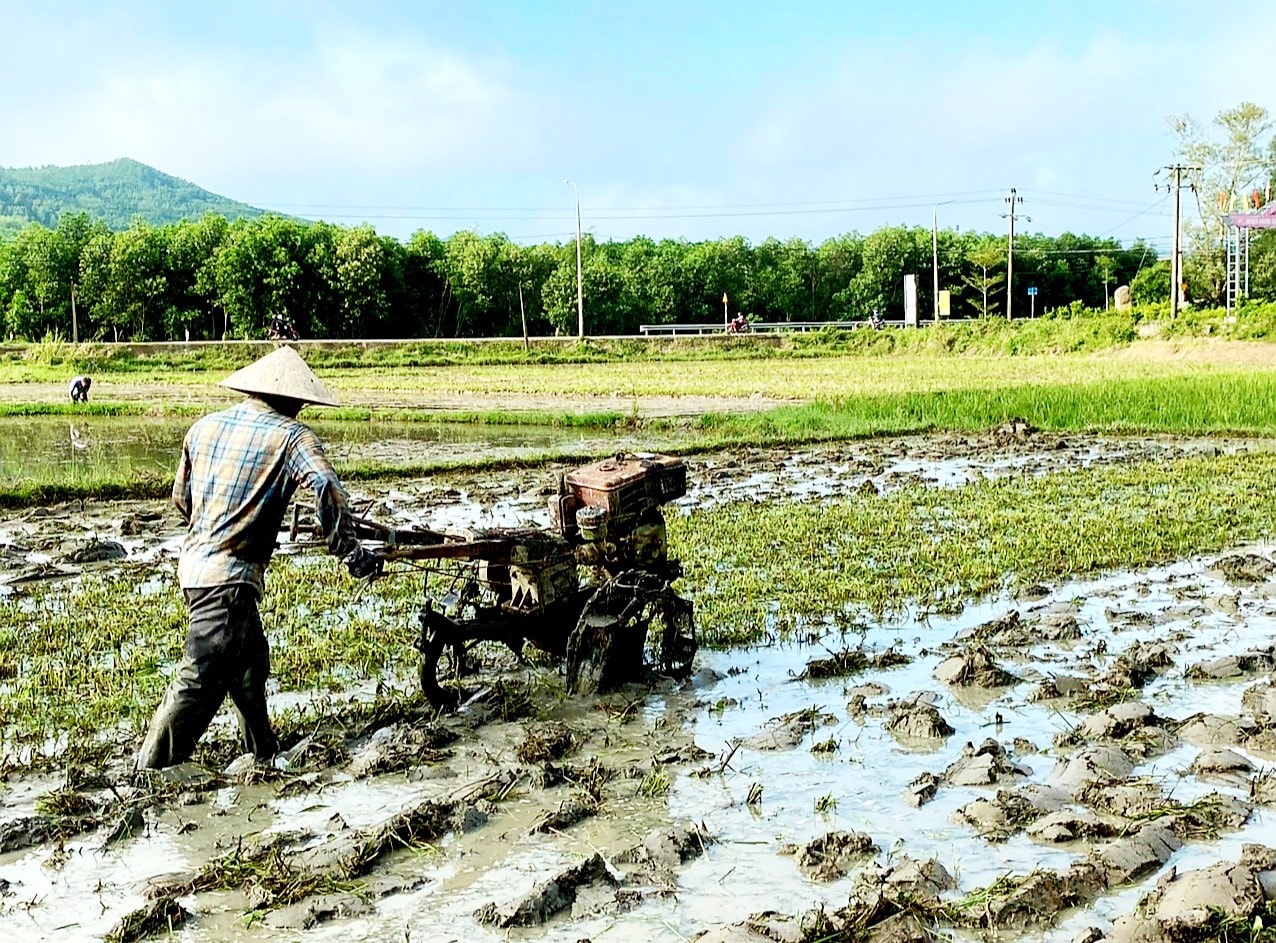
point(1121, 724)
point(43, 448)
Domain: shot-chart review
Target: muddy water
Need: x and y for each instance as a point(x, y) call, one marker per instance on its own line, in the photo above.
point(734, 696)
point(79, 890)
point(69, 450)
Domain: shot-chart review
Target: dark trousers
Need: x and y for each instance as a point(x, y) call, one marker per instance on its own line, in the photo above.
point(225, 653)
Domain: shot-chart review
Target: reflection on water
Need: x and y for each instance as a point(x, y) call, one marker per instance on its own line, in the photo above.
point(52, 449)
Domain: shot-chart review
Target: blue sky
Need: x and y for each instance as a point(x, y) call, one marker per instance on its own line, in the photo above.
point(675, 119)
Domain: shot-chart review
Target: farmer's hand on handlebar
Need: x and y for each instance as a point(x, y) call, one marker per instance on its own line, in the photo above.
point(363, 563)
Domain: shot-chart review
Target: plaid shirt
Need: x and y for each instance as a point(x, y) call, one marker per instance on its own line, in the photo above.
point(238, 471)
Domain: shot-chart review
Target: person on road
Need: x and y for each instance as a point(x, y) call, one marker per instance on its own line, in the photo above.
point(79, 389)
point(238, 471)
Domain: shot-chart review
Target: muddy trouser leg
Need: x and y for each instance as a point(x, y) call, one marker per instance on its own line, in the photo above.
point(224, 626)
point(248, 690)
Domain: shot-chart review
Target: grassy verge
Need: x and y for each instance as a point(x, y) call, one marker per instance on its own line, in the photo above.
point(1066, 331)
point(78, 660)
point(764, 570)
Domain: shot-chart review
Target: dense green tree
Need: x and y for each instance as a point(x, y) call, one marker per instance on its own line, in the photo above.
point(1152, 284)
point(210, 277)
point(192, 277)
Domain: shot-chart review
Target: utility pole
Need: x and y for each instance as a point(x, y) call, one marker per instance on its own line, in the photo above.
point(580, 284)
point(1176, 254)
point(1012, 201)
point(934, 256)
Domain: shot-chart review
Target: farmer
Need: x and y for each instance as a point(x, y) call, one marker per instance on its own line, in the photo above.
point(79, 389)
point(238, 471)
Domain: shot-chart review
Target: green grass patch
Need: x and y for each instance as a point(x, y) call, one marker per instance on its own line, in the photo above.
point(1068, 330)
point(759, 571)
point(1238, 402)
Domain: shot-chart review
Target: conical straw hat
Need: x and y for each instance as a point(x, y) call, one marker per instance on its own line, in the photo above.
point(281, 372)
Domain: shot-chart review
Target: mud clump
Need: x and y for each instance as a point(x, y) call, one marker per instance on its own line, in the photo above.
point(316, 910)
point(1221, 763)
point(547, 898)
point(95, 551)
point(892, 904)
point(1011, 810)
point(921, 790)
point(160, 916)
point(1139, 664)
point(1071, 825)
point(915, 719)
point(1205, 904)
point(662, 851)
point(31, 830)
point(974, 668)
point(545, 743)
point(1245, 568)
point(399, 747)
point(1233, 666)
point(1132, 723)
point(1013, 631)
point(787, 731)
point(1012, 431)
point(1097, 764)
point(830, 856)
point(983, 765)
point(569, 812)
point(851, 661)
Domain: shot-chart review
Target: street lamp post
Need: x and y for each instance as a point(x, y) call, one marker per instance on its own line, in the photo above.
point(580, 284)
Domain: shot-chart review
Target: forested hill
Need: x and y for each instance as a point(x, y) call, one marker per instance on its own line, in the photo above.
point(114, 193)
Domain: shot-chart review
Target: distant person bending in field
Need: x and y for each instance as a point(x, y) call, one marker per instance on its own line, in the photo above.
point(79, 389)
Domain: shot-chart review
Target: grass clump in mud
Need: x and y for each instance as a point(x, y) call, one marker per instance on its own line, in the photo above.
point(851, 661)
point(546, 742)
point(770, 568)
point(159, 917)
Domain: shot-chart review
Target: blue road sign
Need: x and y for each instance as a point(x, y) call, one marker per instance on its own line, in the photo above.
point(1032, 291)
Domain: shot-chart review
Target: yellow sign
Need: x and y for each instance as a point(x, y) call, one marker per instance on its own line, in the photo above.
point(945, 303)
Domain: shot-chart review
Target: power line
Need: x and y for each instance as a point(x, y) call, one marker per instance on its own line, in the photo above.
point(692, 206)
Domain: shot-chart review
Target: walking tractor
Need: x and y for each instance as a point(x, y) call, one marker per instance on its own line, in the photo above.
point(593, 588)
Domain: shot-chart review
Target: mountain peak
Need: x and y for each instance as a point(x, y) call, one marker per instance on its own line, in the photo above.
point(116, 192)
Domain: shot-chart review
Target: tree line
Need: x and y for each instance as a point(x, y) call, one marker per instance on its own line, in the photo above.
point(213, 278)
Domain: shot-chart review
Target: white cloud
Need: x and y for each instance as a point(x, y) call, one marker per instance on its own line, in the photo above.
point(351, 105)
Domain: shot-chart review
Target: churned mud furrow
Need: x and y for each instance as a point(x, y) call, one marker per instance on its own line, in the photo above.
point(1061, 756)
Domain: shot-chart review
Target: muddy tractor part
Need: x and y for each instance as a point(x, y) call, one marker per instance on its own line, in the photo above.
point(594, 588)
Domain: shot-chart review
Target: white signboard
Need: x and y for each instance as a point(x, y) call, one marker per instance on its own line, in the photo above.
point(910, 301)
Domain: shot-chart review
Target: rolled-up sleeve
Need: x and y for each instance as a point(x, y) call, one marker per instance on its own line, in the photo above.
point(309, 467)
point(182, 485)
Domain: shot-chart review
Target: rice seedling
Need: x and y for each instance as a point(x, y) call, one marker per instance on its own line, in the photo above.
point(780, 566)
point(654, 783)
